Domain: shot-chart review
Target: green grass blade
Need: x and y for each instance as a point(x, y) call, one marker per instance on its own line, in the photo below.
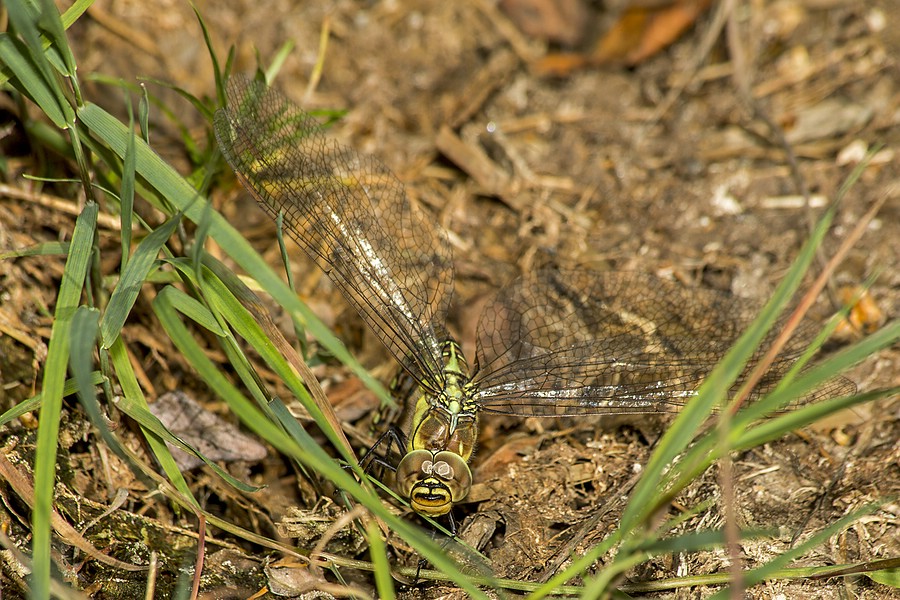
point(644, 501)
point(214, 58)
point(85, 329)
point(72, 14)
point(888, 577)
point(305, 449)
point(52, 386)
point(250, 330)
point(768, 570)
point(377, 550)
point(29, 61)
point(126, 292)
point(210, 317)
point(149, 422)
point(755, 424)
point(132, 390)
point(42, 249)
point(34, 403)
point(14, 57)
point(192, 308)
point(281, 55)
point(143, 117)
point(203, 315)
point(52, 27)
point(416, 538)
point(747, 434)
point(578, 566)
point(126, 198)
point(219, 384)
point(780, 426)
point(81, 351)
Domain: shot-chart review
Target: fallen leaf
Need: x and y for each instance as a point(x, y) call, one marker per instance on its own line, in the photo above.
point(643, 31)
point(559, 21)
point(211, 436)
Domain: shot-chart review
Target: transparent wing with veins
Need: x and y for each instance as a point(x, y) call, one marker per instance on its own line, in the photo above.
point(351, 215)
point(577, 342)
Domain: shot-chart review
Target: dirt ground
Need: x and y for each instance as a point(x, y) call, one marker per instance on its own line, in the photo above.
point(661, 167)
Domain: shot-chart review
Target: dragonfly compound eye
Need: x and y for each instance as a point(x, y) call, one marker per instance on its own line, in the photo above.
point(433, 482)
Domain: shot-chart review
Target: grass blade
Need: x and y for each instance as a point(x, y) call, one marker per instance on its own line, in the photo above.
point(132, 390)
point(69, 296)
point(133, 277)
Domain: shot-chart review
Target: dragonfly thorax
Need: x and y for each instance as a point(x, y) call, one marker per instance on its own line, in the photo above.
point(437, 428)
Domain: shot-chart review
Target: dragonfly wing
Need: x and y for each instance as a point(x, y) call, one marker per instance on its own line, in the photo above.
point(580, 342)
point(350, 214)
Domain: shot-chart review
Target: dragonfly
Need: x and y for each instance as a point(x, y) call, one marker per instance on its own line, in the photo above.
point(553, 343)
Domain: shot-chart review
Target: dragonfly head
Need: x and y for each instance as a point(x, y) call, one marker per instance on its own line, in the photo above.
point(433, 481)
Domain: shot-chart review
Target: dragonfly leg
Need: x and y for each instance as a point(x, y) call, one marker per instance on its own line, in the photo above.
point(395, 439)
point(452, 526)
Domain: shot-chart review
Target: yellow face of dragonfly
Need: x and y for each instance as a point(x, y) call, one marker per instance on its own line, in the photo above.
point(433, 481)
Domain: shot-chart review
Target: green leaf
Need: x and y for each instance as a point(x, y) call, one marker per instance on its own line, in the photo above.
point(53, 381)
point(126, 198)
point(136, 272)
point(377, 550)
point(769, 570)
point(193, 309)
point(42, 249)
point(34, 403)
point(53, 28)
point(132, 391)
point(29, 62)
point(888, 577)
